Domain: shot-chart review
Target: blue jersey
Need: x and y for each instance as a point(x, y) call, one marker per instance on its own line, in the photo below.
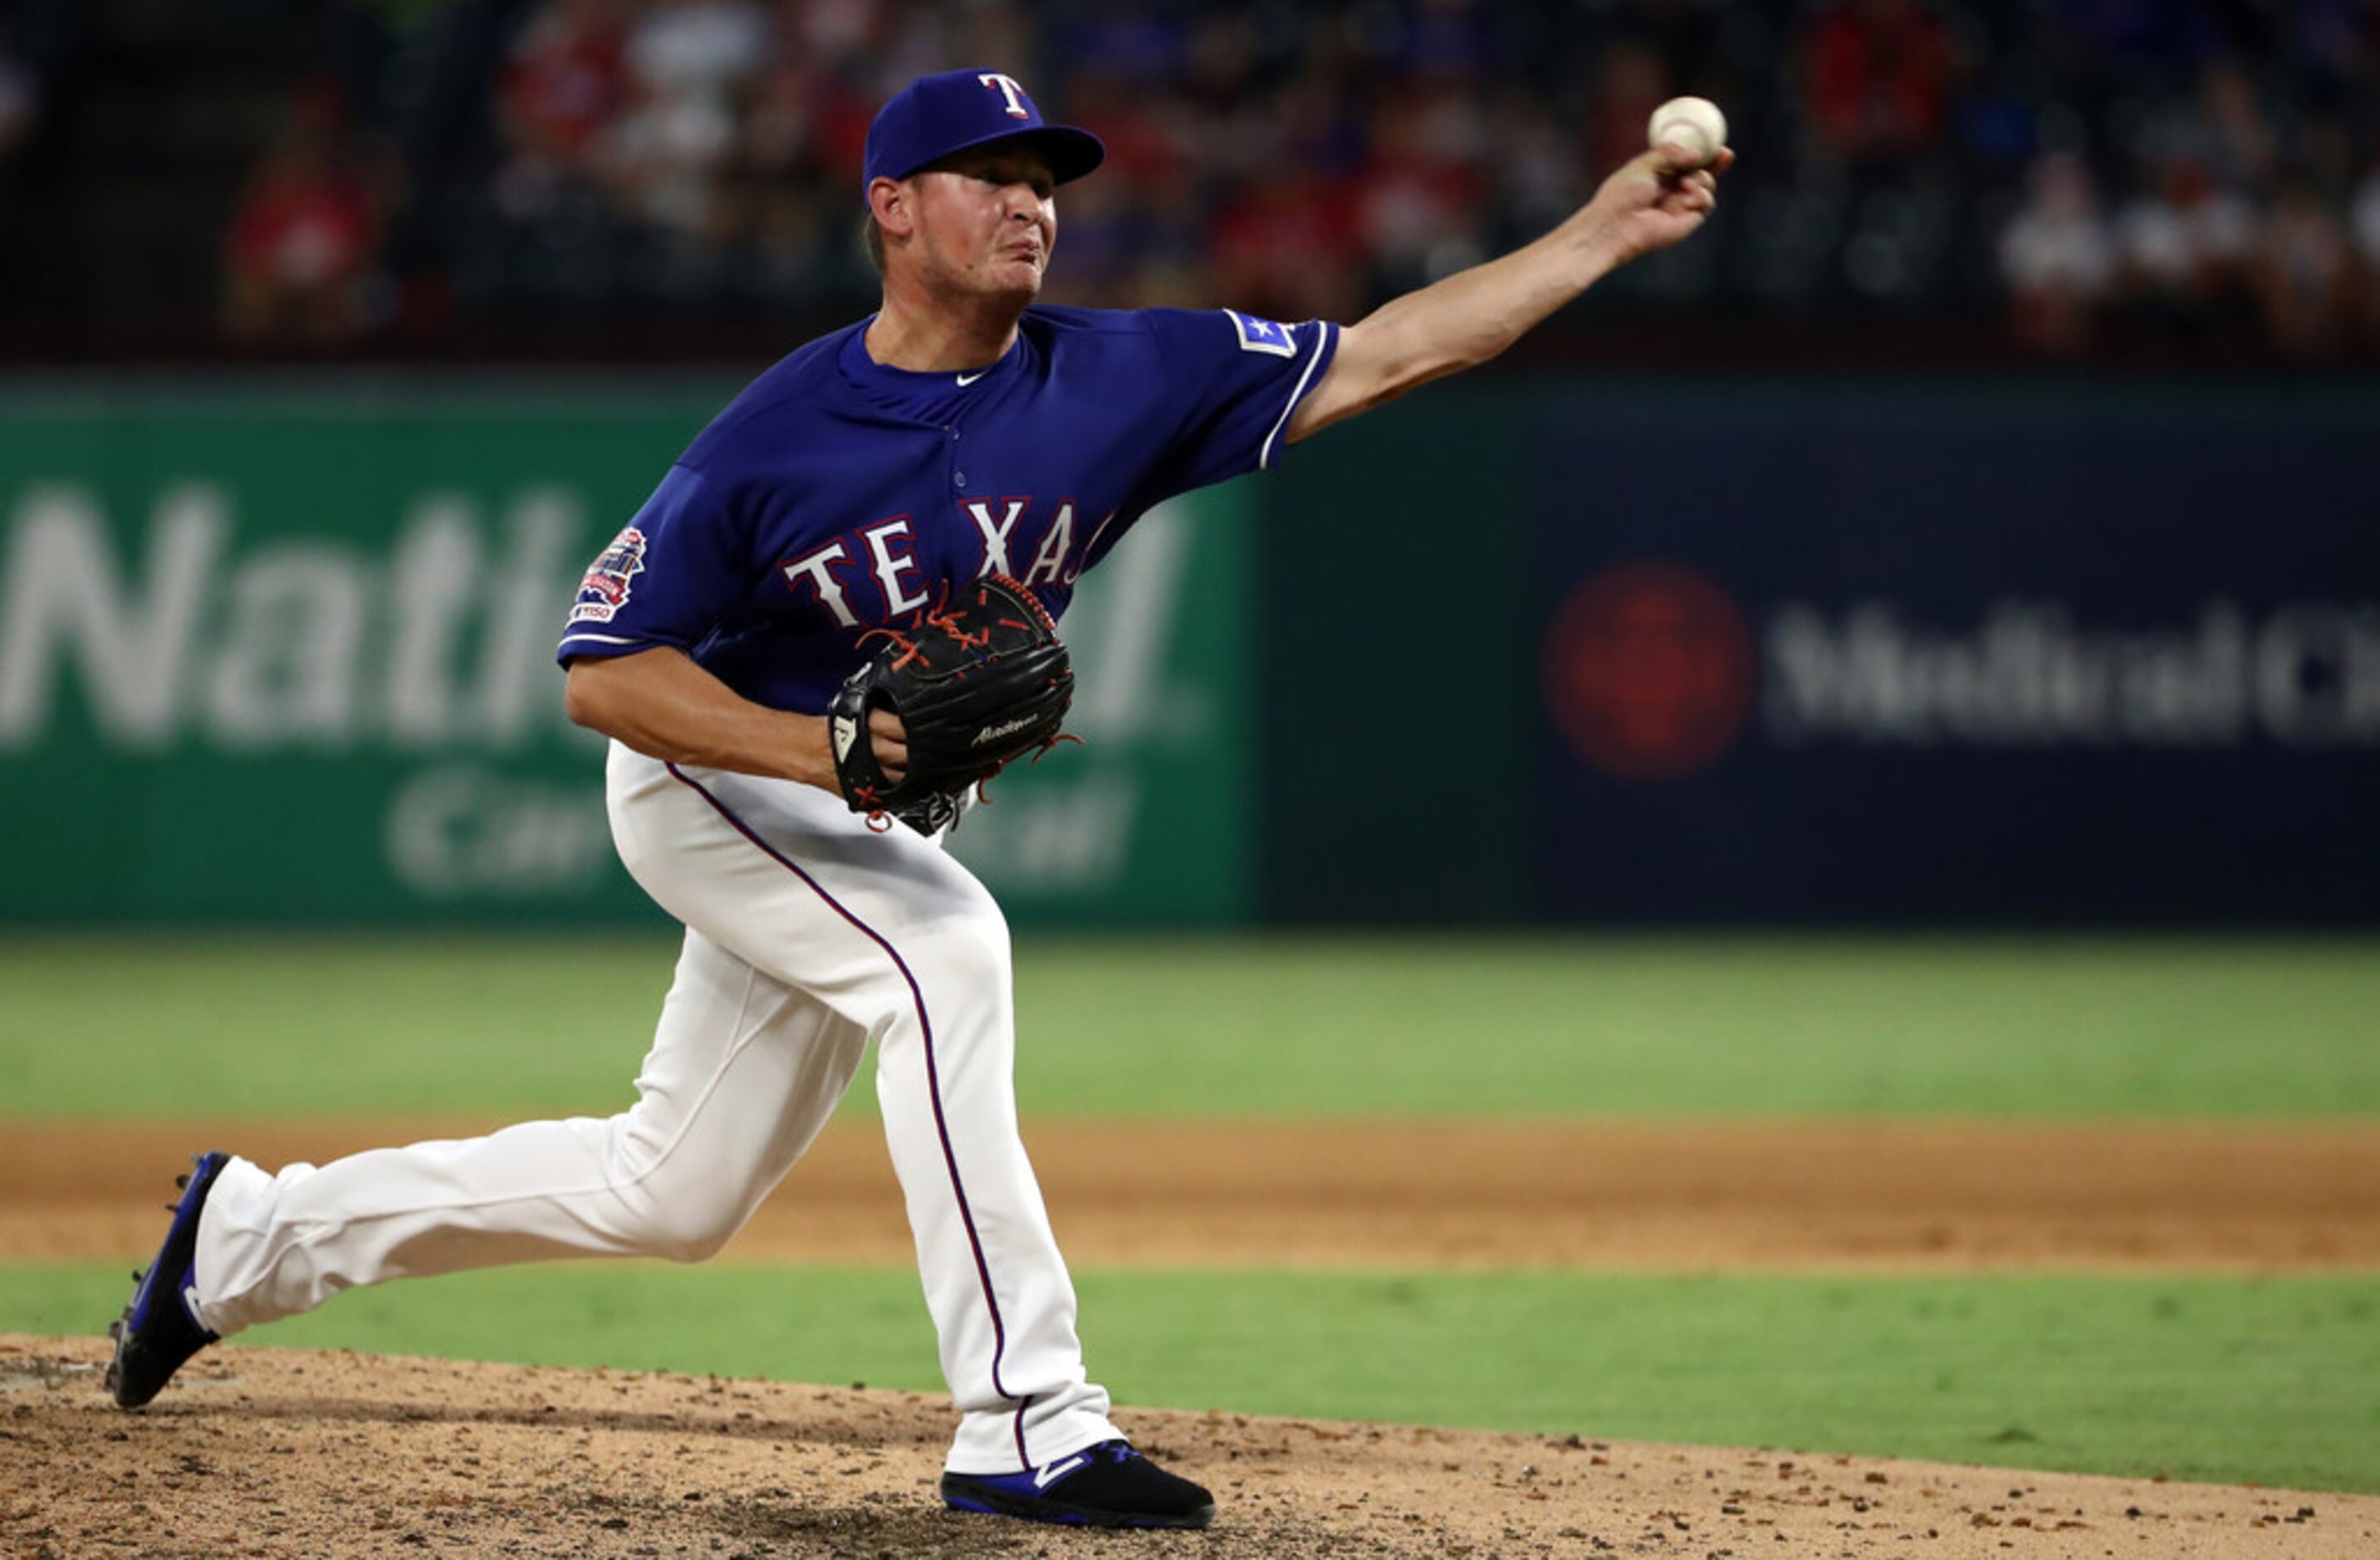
point(835, 494)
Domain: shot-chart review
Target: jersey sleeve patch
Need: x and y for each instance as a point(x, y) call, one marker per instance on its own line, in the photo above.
point(1263, 335)
point(605, 589)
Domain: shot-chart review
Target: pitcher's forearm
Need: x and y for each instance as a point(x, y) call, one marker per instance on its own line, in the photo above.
point(660, 703)
point(1469, 317)
point(1464, 320)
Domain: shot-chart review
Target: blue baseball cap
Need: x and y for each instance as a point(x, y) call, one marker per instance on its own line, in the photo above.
point(936, 116)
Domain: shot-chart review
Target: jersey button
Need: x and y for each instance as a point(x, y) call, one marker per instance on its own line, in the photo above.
point(959, 478)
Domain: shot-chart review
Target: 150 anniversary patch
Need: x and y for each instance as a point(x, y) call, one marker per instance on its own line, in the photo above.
point(605, 589)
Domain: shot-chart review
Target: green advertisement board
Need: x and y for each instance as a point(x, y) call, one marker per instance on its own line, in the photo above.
point(267, 658)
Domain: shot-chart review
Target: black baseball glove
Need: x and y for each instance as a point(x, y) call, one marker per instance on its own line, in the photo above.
point(979, 682)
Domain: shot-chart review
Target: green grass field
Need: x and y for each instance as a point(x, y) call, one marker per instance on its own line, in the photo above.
point(2222, 1379)
point(1303, 1027)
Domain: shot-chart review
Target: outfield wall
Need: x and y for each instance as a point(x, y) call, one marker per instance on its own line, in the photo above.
point(1763, 653)
point(1571, 652)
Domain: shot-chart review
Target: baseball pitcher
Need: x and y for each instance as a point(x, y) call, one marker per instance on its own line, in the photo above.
point(835, 614)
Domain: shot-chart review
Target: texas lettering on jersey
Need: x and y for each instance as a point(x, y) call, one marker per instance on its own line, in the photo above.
point(872, 575)
point(837, 493)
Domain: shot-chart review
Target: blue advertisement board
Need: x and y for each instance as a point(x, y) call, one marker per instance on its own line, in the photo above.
point(1958, 656)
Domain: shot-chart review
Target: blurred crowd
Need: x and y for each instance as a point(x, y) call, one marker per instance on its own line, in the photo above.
point(2227, 187)
point(2080, 176)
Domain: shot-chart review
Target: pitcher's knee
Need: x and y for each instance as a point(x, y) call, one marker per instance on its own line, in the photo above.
point(972, 947)
point(695, 1237)
point(670, 1210)
point(952, 962)
point(683, 1228)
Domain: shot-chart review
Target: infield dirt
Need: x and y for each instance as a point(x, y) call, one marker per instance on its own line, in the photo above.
point(1885, 1196)
point(287, 1454)
point(281, 1454)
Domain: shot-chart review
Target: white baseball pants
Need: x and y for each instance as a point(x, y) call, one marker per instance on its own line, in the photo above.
point(807, 936)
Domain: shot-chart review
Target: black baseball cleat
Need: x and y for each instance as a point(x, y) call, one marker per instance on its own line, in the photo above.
point(1108, 1485)
point(160, 1328)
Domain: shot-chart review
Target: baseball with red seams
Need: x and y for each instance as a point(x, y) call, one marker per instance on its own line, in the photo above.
point(1693, 123)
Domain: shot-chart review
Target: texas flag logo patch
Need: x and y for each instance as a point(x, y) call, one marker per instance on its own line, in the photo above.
point(605, 589)
point(1263, 335)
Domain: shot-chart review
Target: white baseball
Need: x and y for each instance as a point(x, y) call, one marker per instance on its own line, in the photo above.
point(1691, 122)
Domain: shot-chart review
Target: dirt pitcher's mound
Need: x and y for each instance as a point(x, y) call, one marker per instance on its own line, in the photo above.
point(1669, 1197)
point(279, 1453)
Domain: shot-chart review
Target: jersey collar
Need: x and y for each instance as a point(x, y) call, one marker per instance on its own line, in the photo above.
point(929, 397)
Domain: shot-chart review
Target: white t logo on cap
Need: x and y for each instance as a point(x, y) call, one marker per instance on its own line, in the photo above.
point(1011, 88)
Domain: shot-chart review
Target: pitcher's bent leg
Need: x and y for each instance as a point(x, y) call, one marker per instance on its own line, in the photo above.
point(743, 1072)
point(908, 943)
